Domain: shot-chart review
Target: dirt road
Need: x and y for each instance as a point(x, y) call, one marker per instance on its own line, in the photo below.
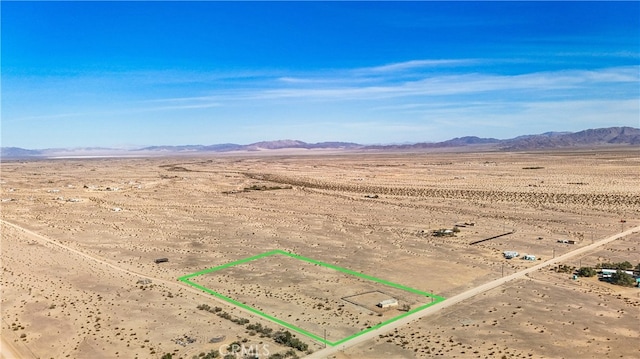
point(10, 351)
point(466, 295)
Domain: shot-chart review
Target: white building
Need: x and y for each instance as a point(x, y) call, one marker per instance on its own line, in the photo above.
point(387, 303)
point(511, 254)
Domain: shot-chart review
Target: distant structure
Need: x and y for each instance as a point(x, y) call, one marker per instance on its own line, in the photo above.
point(529, 257)
point(607, 273)
point(511, 254)
point(144, 281)
point(465, 224)
point(161, 260)
point(217, 339)
point(566, 241)
point(443, 233)
point(388, 303)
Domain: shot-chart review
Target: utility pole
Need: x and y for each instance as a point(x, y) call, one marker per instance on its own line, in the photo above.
point(325, 337)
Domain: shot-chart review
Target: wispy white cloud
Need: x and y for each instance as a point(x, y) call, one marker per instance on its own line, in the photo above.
point(448, 85)
point(361, 75)
point(118, 112)
point(396, 102)
point(415, 64)
point(179, 107)
point(342, 78)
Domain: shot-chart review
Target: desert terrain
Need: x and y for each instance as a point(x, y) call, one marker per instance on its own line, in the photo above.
point(80, 236)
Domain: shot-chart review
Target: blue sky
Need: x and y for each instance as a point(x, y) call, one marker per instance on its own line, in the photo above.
point(130, 74)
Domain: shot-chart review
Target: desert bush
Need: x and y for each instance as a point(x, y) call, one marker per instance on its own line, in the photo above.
point(623, 279)
point(621, 265)
point(265, 331)
point(286, 338)
point(212, 354)
point(563, 268)
point(586, 272)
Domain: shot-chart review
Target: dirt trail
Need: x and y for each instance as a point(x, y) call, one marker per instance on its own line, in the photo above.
point(466, 295)
point(8, 350)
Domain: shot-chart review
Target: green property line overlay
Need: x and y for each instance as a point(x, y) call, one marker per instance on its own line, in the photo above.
point(435, 298)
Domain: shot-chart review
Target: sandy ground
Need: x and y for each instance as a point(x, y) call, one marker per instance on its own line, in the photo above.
point(458, 300)
point(197, 213)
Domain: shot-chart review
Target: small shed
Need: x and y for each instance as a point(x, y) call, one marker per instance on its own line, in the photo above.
point(161, 260)
point(387, 303)
point(529, 257)
point(510, 254)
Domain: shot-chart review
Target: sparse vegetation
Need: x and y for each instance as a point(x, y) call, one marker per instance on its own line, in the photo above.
point(289, 354)
point(623, 279)
point(587, 272)
point(286, 338)
point(265, 188)
point(264, 331)
point(563, 268)
point(621, 265)
point(188, 219)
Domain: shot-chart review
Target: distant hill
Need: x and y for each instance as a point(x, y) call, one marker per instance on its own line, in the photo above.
point(258, 146)
point(592, 137)
point(622, 136)
point(17, 152)
point(194, 148)
point(274, 145)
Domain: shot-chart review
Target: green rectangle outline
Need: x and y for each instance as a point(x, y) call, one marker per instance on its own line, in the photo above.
point(435, 298)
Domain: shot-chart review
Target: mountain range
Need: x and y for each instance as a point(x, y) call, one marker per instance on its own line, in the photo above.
point(612, 136)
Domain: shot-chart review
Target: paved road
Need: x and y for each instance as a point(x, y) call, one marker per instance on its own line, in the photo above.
point(466, 295)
